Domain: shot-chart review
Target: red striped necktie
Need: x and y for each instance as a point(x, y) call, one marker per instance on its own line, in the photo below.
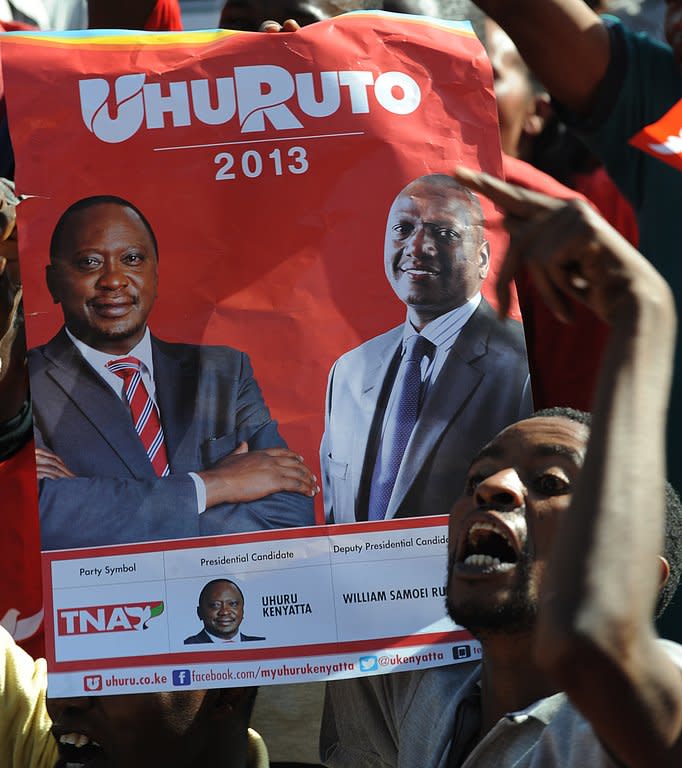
point(144, 412)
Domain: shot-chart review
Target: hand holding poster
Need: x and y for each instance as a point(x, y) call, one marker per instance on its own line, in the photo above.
point(229, 193)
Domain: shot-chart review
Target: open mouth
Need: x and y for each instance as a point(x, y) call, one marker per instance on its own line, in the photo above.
point(76, 750)
point(488, 547)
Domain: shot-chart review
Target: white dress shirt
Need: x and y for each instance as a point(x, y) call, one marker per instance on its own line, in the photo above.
point(442, 333)
point(98, 361)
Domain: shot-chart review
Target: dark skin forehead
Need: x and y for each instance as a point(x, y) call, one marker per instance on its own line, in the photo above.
point(248, 15)
point(81, 228)
point(451, 200)
point(540, 437)
point(222, 591)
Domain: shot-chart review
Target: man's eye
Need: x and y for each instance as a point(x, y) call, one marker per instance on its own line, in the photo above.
point(443, 233)
point(403, 229)
point(134, 257)
point(88, 263)
point(552, 485)
point(473, 481)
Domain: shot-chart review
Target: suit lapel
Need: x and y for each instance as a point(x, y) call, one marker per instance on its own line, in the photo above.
point(371, 386)
point(176, 377)
point(457, 380)
point(98, 403)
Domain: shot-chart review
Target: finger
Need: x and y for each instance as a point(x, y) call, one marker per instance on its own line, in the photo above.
point(243, 447)
point(270, 26)
point(289, 464)
point(51, 473)
point(275, 452)
point(45, 456)
point(557, 245)
point(556, 301)
point(510, 267)
point(8, 208)
point(54, 470)
point(298, 483)
point(291, 25)
point(517, 201)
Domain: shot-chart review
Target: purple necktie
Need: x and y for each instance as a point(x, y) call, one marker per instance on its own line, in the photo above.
point(401, 421)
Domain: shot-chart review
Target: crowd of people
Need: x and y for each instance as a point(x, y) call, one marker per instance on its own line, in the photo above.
point(586, 528)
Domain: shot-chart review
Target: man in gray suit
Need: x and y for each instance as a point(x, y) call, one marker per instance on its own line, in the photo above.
point(407, 410)
point(221, 610)
point(138, 439)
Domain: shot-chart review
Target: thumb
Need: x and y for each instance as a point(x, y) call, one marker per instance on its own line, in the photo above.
point(243, 447)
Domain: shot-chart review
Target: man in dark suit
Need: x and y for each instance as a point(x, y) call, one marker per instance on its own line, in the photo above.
point(138, 439)
point(407, 410)
point(221, 608)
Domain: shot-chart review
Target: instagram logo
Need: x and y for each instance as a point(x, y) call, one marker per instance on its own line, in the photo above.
point(92, 683)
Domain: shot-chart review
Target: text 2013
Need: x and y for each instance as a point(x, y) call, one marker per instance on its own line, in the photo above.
point(252, 164)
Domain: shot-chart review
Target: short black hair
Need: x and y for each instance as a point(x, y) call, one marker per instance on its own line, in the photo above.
point(672, 546)
point(90, 202)
point(212, 583)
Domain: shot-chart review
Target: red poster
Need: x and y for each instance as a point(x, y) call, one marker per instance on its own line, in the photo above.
point(228, 241)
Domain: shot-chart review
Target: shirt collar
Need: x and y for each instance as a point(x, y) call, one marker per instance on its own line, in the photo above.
point(443, 330)
point(98, 360)
point(221, 640)
point(543, 710)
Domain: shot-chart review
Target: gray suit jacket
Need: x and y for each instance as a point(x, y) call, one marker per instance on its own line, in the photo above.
point(209, 402)
point(483, 386)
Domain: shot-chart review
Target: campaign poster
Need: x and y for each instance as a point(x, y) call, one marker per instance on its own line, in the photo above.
point(263, 344)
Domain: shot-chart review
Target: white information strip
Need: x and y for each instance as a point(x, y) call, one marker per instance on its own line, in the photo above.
point(225, 674)
point(309, 603)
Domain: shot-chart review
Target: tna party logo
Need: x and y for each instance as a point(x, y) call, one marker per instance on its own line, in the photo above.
point(260, 96)
point(107, 618)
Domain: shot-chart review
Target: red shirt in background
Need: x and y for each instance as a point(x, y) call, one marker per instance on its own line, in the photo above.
point(166, 16)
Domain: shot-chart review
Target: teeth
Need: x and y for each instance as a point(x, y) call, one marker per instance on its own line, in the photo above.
point(482, 560)
point(487, 527)
point(76, 740)
point(486, 561)
point(420, 272)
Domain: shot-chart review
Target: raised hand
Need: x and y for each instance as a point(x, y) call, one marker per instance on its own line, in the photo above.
point(569, 251)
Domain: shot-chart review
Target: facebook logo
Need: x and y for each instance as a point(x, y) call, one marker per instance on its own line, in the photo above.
point(181, 677)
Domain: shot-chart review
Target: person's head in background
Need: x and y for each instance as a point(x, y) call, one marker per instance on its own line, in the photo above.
point(248, 15)
point(175, 729)
point(522, 103)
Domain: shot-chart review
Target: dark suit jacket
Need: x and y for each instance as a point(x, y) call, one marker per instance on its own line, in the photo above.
point(204, 637)
point(209, 402)
point(483, 386)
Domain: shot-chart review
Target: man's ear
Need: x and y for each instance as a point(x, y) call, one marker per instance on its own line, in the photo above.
point(537, 118)
point(52, 283)
point(201, 618)
point(664, 571)
point(483, 260)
